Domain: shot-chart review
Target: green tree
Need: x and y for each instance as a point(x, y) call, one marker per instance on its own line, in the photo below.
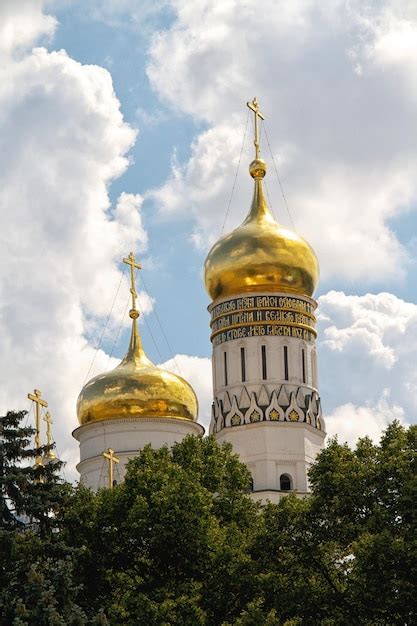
point(36, 567)
point(180, 542)
point(163, 546)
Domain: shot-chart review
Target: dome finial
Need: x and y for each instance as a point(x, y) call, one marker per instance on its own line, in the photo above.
point(257, 168)
point(136, 387)
point(135, 350)
point(130, 260)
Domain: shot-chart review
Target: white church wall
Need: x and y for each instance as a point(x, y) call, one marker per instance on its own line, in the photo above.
point(126, 437)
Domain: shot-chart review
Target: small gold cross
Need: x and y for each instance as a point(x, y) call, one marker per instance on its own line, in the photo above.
point(39, 402)
point(48, 419)
point(112, 458)
point(254, 106)
point(130, 260)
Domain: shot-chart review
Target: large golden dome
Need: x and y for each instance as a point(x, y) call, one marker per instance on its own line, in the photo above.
point(136, 388)
point(260, 255)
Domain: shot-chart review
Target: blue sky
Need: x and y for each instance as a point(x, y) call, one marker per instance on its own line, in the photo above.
point(121, 127)
point(122, 49)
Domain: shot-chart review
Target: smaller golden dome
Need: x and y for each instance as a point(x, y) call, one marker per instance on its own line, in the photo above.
point(260, 255)
point(136, 388)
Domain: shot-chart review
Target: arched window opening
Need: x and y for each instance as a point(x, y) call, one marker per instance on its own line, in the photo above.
point(243, 364)
point(303, 363)
point(225, 367)
point(285, 363)
point(264, 369)
point(285, 482)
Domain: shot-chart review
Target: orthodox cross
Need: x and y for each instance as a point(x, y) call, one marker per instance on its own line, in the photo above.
point(48, 419)
point(110, 456)
point(254, 106)
point(133, 313)
point(39, 402)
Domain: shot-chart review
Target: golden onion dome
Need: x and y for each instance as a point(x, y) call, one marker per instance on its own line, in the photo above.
point(136, 388)
point(260, 255)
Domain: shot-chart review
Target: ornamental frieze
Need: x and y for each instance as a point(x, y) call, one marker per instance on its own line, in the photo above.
point(258, 316)
point(282, 405)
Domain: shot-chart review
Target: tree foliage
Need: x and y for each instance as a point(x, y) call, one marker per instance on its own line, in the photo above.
point(180, 542)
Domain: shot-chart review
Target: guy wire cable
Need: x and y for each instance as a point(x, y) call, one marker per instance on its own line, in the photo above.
point(279, 180)
point(105, 326)
point(269, 199)
point(150, 332)
point(237, 171)
point(115, 342)
point(162, 329)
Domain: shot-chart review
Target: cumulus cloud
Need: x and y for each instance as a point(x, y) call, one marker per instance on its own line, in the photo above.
point(367, 348)
point(349, 422)
point(18, 33)
point(63, 141)
point(340, 119)
point(197, 371)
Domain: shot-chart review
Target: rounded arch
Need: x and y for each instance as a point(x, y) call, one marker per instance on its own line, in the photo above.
point(285, 482)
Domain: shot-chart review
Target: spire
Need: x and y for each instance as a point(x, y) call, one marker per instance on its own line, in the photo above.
point(259, 209)
point(135, 352)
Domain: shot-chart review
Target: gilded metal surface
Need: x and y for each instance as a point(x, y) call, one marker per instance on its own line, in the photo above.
point(39, 402)
point(112, 459)
point(254, 106)
point(310, 329)
point(264, 308)
point(51, 454)
point(136, 387)
point(260, 255)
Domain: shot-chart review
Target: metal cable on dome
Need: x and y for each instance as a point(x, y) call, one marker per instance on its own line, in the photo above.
point(105, 327)
point(151, 334)
point(269, 199)
point(119, 330)
point(235, 179)
point(163, 331)
point(276, 172)
point(153, 338)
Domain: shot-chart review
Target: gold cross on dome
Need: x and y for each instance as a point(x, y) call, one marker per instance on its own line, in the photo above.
point(39, 402)
point(254, 106)
point(131, 261)
point(109, 454)
point(49, 421)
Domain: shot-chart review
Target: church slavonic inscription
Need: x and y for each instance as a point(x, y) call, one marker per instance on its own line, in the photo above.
point(256, 316)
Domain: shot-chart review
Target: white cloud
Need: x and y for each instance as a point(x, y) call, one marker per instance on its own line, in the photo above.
point(197, 371)
point(344, 140)
point(21, 26)
point(63, 141)
point(367, 348)
point(349, 422)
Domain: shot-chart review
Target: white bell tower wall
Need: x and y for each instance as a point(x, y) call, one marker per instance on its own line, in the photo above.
point(266, 400)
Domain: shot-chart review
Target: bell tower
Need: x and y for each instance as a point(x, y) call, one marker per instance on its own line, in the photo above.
point(261, 278)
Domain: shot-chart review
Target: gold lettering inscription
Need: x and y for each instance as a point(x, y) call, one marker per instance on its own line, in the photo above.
point(257, 316)
point(263, 302)
point(261, 330)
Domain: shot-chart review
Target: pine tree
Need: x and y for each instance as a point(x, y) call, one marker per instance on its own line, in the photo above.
point(36, 567)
